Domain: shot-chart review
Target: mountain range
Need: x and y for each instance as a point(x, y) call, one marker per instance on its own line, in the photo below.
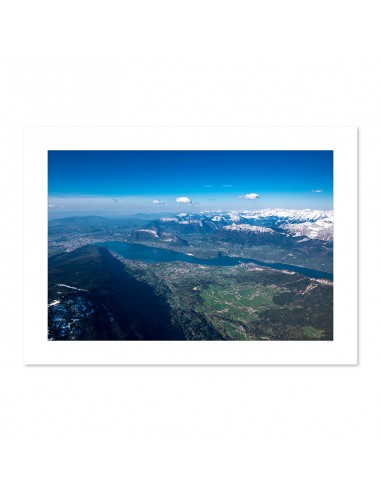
point(310, 224)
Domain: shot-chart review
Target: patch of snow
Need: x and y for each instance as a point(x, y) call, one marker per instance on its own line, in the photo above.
point(321, 229)
point(247, 227)
point(150, 231)
point(71, 287)
point(234, 216)
point(54, 303)
point(169, 219)
point(191, 221)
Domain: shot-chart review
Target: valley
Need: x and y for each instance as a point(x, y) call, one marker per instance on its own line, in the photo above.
point(262, 275)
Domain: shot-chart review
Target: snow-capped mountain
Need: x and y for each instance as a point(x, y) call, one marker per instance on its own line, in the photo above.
point(248, 228)
point(306, 223)
point(321, 229)
point(289, 215)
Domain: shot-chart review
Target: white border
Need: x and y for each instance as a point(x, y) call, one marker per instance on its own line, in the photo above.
point(38, 140)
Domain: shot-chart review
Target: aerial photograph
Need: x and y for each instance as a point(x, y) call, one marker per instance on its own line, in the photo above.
point(190, 245)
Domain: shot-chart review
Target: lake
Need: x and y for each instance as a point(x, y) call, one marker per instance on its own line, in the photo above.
point(150, 254)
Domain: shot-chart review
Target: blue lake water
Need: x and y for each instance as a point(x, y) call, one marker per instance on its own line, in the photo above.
point(150, 254)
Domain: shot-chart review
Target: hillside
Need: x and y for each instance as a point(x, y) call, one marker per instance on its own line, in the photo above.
point(92, 296)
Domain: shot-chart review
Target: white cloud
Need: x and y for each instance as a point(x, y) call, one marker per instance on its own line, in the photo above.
point(250, 196)
point(227, 186)
point(317, 191)
point(158, 202)
point(184, 199)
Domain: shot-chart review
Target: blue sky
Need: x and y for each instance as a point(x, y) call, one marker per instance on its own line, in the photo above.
point(128, 182)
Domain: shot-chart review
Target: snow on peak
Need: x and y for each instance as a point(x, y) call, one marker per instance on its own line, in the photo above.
point(150, 231)
point(321, 229)
point(169, 219)
point(304, 215)
point(247, 227)
point(234, 216)
point(313, 224)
